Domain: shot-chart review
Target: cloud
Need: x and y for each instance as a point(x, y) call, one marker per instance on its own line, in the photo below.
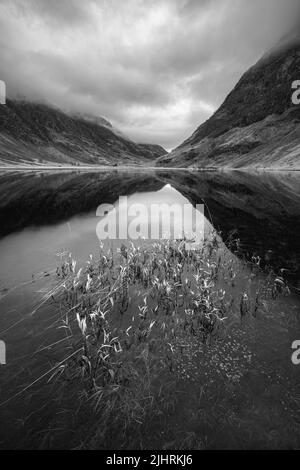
point(57, 12)
point(155, 69)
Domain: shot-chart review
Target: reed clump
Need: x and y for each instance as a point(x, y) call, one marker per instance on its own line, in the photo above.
point(130, 312)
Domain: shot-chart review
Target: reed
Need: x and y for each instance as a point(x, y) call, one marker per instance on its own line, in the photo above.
point(129, 314)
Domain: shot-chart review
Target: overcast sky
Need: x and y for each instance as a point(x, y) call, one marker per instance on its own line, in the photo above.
point(155, 68)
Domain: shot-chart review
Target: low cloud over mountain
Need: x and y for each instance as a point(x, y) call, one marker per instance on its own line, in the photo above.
point(154, 69)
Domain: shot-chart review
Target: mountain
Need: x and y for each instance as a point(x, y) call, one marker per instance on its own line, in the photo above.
point(38, 134)
point(257, 126)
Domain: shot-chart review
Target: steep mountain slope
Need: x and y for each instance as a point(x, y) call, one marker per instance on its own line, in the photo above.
point(257, 125)
point(38, 134)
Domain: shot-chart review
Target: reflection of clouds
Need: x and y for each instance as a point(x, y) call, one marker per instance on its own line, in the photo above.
point(154, 215)
point(155, 69)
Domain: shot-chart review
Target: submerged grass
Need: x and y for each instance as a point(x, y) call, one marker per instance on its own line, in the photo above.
point(130, 318)
point(151, 347)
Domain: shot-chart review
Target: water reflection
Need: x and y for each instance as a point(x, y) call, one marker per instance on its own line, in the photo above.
point(263, 210)
point(42, 214)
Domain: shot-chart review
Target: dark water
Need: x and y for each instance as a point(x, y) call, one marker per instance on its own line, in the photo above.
point(262, 209)
point(45, 213)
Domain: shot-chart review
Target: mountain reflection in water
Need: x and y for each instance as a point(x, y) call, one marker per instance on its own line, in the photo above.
point(262, 209)
point(42, 213)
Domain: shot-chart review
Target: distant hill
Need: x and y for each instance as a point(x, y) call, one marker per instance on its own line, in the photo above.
point(257, 125)
point(33, 133)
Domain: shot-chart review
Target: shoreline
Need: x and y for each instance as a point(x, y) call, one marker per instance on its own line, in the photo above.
point(140, 168)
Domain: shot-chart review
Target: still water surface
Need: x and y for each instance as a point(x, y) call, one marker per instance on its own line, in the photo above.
point(43, 214)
